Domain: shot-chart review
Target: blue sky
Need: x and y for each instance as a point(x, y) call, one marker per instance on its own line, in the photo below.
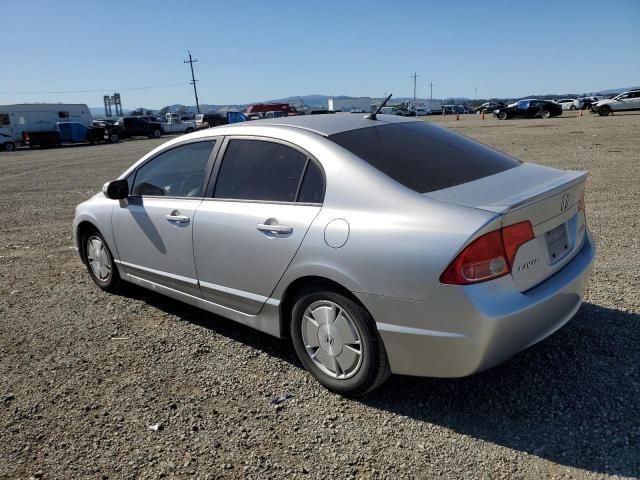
point(259, 50)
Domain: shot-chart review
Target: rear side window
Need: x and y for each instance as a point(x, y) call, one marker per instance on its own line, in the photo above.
point(312, 187)
point(423, 157)
point(178, 172)
point(260, 170)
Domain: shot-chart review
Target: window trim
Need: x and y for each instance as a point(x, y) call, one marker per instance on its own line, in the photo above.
point(213, 181)
point(217, 141)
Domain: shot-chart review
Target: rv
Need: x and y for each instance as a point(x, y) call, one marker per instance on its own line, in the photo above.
point(16, 120)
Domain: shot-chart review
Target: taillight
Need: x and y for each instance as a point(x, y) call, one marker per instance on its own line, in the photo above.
point(581, 204)
point(489, 256)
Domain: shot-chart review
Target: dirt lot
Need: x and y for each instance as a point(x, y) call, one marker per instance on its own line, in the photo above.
point(83, 374)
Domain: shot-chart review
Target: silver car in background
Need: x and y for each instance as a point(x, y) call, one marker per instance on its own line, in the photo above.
point(376, 246)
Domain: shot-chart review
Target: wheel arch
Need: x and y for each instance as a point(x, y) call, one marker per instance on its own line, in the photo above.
point(83, 229)
point(297, 286)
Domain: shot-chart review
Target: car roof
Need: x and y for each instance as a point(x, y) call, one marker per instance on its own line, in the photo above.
point(331, 123)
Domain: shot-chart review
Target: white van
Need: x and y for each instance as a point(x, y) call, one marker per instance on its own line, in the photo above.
point(37, 117)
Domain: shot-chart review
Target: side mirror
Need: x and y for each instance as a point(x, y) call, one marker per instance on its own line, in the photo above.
point(116, 190)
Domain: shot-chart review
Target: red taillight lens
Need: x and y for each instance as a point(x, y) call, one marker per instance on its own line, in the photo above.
point(489, 256)
point(581, 204)
point(513, 236)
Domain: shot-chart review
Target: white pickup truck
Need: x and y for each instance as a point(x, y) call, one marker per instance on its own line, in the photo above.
point(173, 124)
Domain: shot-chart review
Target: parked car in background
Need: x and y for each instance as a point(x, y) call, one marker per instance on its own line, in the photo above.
point(403, 112)
point(584, 103)
point(68, 133)
point(488, 107)
point(567, 103)
point(626, 101)
point(208, 120)
point(137, 127)
point(529, 108)
point(260, 109)
point(389, 111)
point(483, 255)
point(276, 114)
point(175, 124)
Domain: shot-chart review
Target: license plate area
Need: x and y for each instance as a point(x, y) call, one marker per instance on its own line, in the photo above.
point(557, 243)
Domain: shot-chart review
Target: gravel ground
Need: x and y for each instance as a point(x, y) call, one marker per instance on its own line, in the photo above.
point(94, 385)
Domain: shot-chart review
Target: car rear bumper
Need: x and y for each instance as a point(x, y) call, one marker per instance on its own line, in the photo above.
point(459, 331)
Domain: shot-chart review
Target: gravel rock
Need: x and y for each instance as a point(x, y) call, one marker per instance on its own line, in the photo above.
point(84, 373)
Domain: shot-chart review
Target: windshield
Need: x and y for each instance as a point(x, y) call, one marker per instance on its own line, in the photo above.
point(423, 157)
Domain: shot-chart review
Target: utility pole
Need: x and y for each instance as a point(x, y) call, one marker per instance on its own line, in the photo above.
point(431, 84)
point(415, 77)
point(191, 61)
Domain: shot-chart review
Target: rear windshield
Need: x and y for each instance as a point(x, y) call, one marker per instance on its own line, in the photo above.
point(423, 157)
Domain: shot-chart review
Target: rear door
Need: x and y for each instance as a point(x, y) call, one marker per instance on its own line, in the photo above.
point(246, 233)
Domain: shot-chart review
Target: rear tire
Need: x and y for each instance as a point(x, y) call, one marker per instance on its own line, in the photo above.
point(545, 114)
point(99, 261)
point(604, 110)
point(336, 340)
point(189, 130)
point(502, 116)
point(9, 147)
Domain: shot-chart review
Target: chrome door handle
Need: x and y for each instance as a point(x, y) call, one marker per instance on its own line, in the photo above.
point(176, 217)
point(283, 229)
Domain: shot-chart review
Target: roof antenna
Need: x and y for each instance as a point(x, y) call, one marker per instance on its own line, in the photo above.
point(372, 116)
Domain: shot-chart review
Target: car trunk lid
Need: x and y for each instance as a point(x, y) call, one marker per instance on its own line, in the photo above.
point(547, 198)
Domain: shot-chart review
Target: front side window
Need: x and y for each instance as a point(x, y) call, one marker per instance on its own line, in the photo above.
point(63, 115)
point(178, 172)
point(260, 170)
point(522, 105)
point(4, 120)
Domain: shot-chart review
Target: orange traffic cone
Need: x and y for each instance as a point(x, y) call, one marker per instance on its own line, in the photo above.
point(580, 114)
point(457, 116)
point(482, 115)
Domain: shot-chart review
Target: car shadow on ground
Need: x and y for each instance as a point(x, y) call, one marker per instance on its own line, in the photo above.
point(222, 326)
point(573, 399)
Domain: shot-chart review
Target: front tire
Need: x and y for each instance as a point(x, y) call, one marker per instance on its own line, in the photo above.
point(9, 147)
point(502, 116)
point(604, 110)
point(545, 114)
point(157, 133)
point(99, 261)
point(189, 130)
point(336, 340)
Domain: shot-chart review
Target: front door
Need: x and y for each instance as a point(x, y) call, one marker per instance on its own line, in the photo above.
point(245, 236)
point(153, 231)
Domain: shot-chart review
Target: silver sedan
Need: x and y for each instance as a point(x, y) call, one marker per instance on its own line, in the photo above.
point(376, 246)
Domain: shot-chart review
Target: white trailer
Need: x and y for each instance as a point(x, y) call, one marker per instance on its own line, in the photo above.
point(38, 117)
point(349, 104)
point(425, 107)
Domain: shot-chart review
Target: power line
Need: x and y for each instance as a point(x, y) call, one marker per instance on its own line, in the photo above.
point(193, 79)
point(96, 90)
